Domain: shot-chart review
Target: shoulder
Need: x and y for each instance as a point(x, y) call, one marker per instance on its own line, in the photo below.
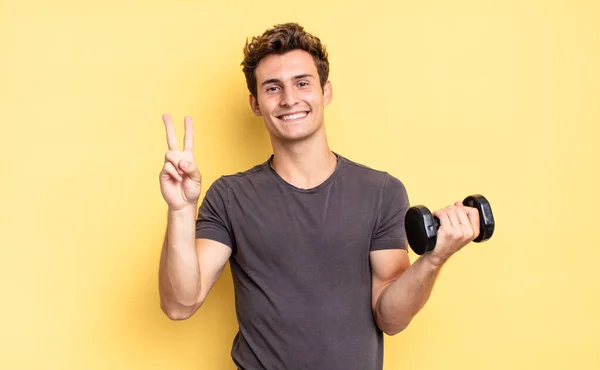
point(370, 176)
point(239, 179)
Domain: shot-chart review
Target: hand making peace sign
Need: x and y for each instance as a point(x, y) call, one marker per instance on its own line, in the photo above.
point(180, 180)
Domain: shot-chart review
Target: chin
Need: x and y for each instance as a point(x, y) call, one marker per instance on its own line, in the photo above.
point(291, 133)
point(297, 136)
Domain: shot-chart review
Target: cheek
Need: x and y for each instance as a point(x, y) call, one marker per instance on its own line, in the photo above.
point(316, 102)
point(268, 105)
point(309, 98)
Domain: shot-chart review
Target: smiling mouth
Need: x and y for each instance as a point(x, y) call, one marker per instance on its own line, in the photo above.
point(293, 116)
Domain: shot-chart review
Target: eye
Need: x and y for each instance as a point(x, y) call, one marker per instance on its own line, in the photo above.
point(303, 83)
point(272, 88)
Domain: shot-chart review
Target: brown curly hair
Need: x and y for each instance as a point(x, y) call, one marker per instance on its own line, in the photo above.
point(279, 40)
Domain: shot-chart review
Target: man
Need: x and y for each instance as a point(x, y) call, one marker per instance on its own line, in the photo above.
point(316, 242)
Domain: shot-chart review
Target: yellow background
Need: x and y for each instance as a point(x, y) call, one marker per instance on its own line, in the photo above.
point(452, 97)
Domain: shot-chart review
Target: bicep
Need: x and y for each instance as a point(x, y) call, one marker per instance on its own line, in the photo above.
point(386, 266)
point(212, 258)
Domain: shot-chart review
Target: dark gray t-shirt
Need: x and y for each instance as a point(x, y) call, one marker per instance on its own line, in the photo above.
point(300, 263)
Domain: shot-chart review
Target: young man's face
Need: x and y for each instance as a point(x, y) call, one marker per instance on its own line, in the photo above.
point(289, 95)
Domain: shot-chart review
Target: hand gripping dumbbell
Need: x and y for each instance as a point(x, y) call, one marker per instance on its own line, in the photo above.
point(421, 226)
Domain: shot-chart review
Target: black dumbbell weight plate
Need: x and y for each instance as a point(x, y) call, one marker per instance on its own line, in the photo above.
point(421, 229)
point(486, 218)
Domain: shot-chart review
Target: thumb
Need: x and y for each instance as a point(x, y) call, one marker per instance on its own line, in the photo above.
point(191, 170)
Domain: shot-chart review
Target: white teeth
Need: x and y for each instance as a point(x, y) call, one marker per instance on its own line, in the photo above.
point(293, 116)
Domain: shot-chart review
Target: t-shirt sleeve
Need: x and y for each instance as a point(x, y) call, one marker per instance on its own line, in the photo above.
point(213, 220)
point(389, 230)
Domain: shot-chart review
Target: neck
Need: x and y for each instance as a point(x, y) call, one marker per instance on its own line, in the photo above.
point(304, 164)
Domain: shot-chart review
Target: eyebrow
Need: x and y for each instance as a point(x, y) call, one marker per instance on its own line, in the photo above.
point(275, 80)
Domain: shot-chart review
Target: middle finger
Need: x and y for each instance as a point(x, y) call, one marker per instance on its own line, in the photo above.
point(453, 216)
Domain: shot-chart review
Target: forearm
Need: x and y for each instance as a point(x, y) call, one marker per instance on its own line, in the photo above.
point(179, 272)
point(402, 299)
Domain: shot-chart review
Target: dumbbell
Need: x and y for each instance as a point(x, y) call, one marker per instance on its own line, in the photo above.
point(421, 226)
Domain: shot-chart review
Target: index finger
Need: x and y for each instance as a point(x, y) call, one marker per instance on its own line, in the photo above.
point(171, 135)
point(442, 215)
point(188, 138)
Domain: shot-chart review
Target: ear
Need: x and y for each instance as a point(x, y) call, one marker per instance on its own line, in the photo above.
point(327, 93)
point(254, 105)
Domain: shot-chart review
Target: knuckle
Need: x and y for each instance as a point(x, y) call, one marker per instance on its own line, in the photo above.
point(468, 234)
point(453, 233)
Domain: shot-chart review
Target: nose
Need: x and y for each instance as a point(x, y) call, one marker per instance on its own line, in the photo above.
point(288, 98)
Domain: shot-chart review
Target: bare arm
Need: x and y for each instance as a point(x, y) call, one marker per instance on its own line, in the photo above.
point(188, 267)
point(400, 290)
